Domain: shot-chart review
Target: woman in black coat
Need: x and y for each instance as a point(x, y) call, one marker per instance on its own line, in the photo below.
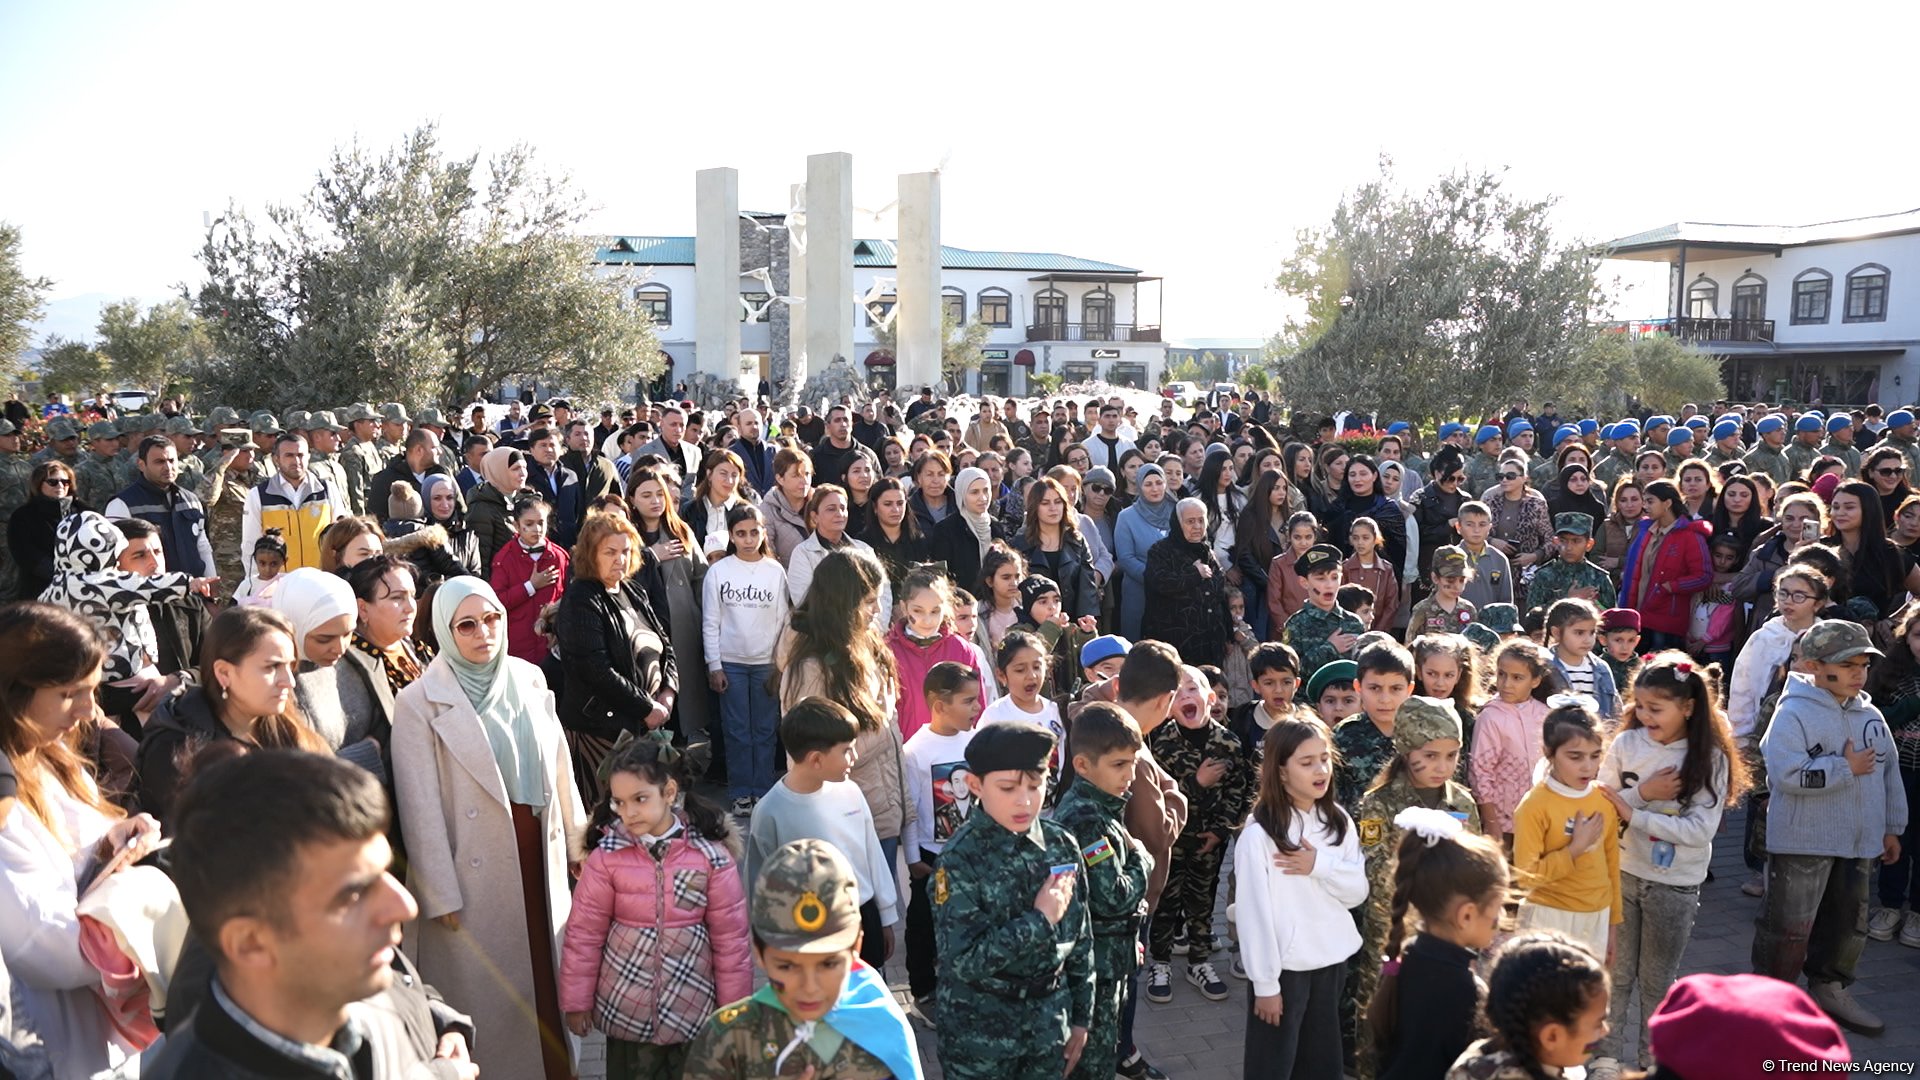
point(617, 653)
point(30, 531)
point(961, 539)
point(1359, 496)
point(1052, 545)
point(1187, 589)
point(894, 533)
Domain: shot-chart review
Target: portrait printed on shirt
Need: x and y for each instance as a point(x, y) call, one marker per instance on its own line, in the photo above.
point(951, 799)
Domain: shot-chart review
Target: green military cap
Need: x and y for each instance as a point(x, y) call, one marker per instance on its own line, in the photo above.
point(263, 423)
point(394, 413)
point(182, 425)
point(430, 417)
point(1501, 618)
point(1481, 635)
point(357, 411)
point(1011, 746)
point(1421, 720)
point(1338, 671)
point(1318, 558)
point(324, 419)
point(298, 420)
point(62, 428)
point(1450, 561)
point(1573, 522)
point(807, 898)
point(222, 416)
point(1833, 641)
point(102, 429)
point(7, 428)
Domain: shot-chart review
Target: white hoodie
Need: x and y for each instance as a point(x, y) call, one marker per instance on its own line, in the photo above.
point(1296, 922)
point(1753, 669)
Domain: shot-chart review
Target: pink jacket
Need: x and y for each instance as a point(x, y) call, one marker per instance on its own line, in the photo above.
point(1506, 745)
point(669, 927)
point(512, 569)
point(914, 662)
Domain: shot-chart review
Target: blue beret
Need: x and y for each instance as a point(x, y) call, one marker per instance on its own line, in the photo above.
point(1679, 435)
point(1815, 412)
point(1809, 422)
point(1659, 421)
point(1736, 417)
point(1104, 647)
point(1840, 422)
point(1449, 429)
point(1697, 422)
point(1627, 427)
point(1485, 433)
point(1517, 427)
point(1726, 429)
point(1900, 418)
point(1567, 431)
point(1589, 426)
point(1398, 426)
point(1770, 424)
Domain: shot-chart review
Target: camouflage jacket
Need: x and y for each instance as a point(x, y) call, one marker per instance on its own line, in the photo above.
point(1222, 808)
point(1906, 446)
point(1611, 468)
point(1482, 1062)
point(1308, 629)
point(1361, 750)
point(1483, 471)
point(1558, 578)
point(1771, 460)
point(745, 1039)
point(1117, 869)
point(1428, 617)
point(96, 480)
point(1846, 452)
point(1800, 456)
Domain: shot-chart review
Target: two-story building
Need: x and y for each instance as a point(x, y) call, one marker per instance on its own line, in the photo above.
point(1802, 313)
point(1082, 319)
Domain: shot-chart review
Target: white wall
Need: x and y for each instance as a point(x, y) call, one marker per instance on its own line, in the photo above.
point(1899, 254)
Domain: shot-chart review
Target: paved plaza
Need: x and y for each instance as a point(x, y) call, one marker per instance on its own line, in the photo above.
point(1192, 1038)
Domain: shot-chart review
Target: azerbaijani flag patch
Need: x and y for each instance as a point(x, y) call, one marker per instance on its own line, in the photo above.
point(1097, 852)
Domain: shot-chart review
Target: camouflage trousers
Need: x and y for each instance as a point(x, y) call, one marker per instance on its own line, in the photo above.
point(645, 1061)
point(1193, 883)
point(1115, 957)
point(1813, 918)
point(1009, 1040)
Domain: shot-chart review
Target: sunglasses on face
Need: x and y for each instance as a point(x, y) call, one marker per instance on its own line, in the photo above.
point(1104, 489)
point(56, 481)
point(471, 627)
point(1510, 475)
point(1890, 470)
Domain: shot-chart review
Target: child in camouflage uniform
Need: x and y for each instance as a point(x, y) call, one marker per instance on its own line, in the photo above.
point(1569, 573)
point(1320, 631)
point(1363, 742)
point(822, 1011)
point(1445, 611)
point(1104, 743)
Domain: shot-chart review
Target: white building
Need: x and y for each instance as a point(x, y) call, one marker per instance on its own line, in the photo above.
point(1078, 318)
point(1827, 312)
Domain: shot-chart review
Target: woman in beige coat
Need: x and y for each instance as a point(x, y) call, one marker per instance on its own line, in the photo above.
point(492, 819)
point(831, 650)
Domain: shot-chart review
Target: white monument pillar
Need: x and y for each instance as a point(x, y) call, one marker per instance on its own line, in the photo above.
point(797, 287)
point(716, 274)
point(829, 259)
point(919, 312)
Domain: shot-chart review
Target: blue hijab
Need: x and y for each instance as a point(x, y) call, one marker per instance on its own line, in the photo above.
point(1157, 514)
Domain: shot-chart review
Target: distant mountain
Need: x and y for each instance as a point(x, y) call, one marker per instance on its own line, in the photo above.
point(76, 317)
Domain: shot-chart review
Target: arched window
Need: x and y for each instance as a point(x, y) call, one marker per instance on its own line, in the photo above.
point(1867, 293)
point(1812, 297)
point(657, 301)
point(1096, 311)
point(1703, 299)
point(996, 307)
point(1749, 298)
point(955, 301)
point(1050, 311)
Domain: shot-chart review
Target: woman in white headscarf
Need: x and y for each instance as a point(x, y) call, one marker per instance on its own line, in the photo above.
point(480, 768)
point(961, 539)
point(344, 697)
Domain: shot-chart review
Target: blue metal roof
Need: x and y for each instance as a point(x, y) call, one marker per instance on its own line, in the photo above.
point(678, 251)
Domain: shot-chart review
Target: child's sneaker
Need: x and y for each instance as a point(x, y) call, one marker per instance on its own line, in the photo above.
point(1138, 1068)
point(1883, 923)
point(1910, 931)
point(743, 806)
point(1756, 885)
point(1180, 943)
point(1239, 969)
point(1160, 982)
point(1208, 982)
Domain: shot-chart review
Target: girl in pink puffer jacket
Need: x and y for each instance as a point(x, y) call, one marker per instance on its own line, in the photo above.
point(658, 937)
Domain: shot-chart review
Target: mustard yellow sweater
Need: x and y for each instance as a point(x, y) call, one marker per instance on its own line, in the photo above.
point(1545, 866)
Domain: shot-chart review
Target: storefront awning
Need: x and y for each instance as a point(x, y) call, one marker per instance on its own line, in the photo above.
point(879, 358)
point(1024, 358)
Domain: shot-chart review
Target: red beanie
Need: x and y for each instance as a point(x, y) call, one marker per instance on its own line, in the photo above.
point(1707, 1021)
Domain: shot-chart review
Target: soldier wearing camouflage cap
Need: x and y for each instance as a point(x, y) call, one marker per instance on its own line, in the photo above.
point(359, 459)
point(323, 436)
point(1427, 737)
point(446, 452)
point(805, 916)
point(1321, 631)
point(394, 422)
point(185, 436)
point(97, 476)
point(63, 443)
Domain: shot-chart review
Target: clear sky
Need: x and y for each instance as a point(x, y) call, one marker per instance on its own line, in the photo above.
point(1189, 139)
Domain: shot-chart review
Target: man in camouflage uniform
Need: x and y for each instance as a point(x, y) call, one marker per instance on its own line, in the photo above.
point(804, 910)
point(1570, 574)
point(185, 436)
point(1805, 448)
point(1679, 450)
point(220, 418)
point(1901, 429)
point(323, 436)
point(1726, 447)
point(1016, 957)
point(1310, 630)
point(1116, 886)
point(1483, 465)
point(360, 460)
point(225, 495)
point(96, 479)
point(393, 432)
point(1618, 461)
point(63, 443)
point(1769, 454)
point(1421, 720)
point(15, 472)
point(1840, 443)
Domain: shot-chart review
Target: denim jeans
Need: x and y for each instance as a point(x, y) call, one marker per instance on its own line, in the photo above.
point(1812, 919)
point(1657, 921)
point(751, 715)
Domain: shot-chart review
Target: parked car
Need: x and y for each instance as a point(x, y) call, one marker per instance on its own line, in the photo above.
point(1184, 394)
point(130, 401)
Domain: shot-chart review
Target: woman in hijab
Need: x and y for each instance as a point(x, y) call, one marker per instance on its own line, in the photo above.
point(503, 474)
point(341, 692)
point(1186, 590)
point(440, 544)
point(1139, 527)
point(961, 538)
point(480, 768)
point(1573, 492)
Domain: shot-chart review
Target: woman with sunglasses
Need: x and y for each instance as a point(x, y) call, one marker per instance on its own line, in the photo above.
point(1522, 525)
point(30, 531)
point(492, 819)
point(1886, 469)
point(1435, 506)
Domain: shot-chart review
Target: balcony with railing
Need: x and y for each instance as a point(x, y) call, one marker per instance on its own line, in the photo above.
point(1700, 331)
point(1091, 331)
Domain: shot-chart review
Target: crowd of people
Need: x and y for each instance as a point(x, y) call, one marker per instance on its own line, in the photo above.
point(361, 742)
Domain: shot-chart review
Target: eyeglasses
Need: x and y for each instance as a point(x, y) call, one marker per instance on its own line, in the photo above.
point(1792, 596)
point(1890, 470)
point(1511, 475)
point(56, 481)
point(1452, 478)
point(471, 627)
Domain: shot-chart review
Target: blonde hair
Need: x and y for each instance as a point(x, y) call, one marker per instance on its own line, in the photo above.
point(599, 525)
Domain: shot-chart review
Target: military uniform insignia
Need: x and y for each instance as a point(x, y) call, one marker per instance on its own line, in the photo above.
point(769, 1050)
point(940, 885)
point(809, 913)
point(1097, 852)
point(1372, 831)
point(731, 1013)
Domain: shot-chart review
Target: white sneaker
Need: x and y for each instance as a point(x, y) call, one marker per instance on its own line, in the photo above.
point(1883, 923)
point(1160, 982)
point(1838, 1003)
point(1910, 931)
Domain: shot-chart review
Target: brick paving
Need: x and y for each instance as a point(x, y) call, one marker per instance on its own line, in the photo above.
point(1192, 1038)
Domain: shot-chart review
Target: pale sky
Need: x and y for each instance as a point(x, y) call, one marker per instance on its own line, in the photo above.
point(1188, 139)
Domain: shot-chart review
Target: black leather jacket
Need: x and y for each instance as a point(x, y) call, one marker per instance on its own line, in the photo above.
point(608, 689)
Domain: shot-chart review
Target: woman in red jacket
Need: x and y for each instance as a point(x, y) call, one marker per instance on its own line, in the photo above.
point(528, 574)
point(1666, 568)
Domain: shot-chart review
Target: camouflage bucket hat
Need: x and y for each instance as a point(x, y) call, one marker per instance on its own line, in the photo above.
point(324, 419)
point(182, 425)
point(299, 420)
point(807, 899)
point(60, 429)
point(1501, 618)
point(394, 413)
point(1421, 720)
point(222, 416)
point(102, 429)
point(1573, 522)
point(1834, 641)
point(263, 423)
point(430, 417)
point(1483, 639)
point(1450, 561)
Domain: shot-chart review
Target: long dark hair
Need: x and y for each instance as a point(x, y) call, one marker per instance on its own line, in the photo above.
point(1217, 463)
point(830, 629)
point(1433, 878)
point(1877, 559)
point(656, 763)
point(909, 524)
point(1253, 533)
point(44, 645)
point(1539, 978)
point(1274, 809)
point(1676, 675)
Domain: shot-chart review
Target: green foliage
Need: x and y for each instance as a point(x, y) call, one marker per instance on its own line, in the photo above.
point(1454, 300)
point(1255, 377)
point(154, 349)
point(961, 346)
point(74, 368)
point(1205, 369)
point(416, 277)
point(1667, 374)
point(1045, 383)
point(22, 301)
